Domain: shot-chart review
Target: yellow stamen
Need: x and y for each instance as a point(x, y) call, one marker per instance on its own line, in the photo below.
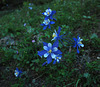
point(54, 35)
point(80, 42)
point(57, 57)
point(50, 51)
point(46, 22)
point(48, 13)
point(16, 73)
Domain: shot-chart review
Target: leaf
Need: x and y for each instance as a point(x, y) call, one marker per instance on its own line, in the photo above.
point(33, 81)
point(32, 68)
point(84, 16)
point(37, 69)
point(27, 62)
point(88, 16)
point(31, 64)
point(86, 75)
point(77, 82)
point(37, 60)
point(93, 36)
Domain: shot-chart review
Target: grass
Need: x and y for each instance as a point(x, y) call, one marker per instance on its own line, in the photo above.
point(74, 70)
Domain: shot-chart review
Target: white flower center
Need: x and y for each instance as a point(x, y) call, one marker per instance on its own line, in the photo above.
point(46, 22)
point(48, 12)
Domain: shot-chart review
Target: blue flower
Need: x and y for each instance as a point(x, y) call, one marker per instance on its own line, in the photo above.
point(30, 8)
point(56, 35)
point(17, 72)
point(46, 23)
point(49, 13)
point(24, 24)
point(78, 43)
point(30, 4)
point(57, 58)
point(50, 51)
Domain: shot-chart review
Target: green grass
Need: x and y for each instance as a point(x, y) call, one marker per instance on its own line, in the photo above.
point(73, 70)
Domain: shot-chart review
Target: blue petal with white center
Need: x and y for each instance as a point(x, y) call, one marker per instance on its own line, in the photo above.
point(49, 59)
point(78, 43)
point(56, 35)
point(47, 23)
point(17, 72)
point(41, 53)
point(46, 54)
point(49, 14)
point(57, 58)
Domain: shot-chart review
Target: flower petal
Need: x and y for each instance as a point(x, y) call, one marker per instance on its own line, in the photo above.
point(49, 45)
point(46, 17)
point(54, 62)
point(53, 12)
point(20, 71)
point(44, 27)
point(46, 54)
point(74, 39)
point(74, 45)
point(56, 43)
point(51, 17)
point(77, 50)
point(17, 69)
point(49, 59)
point(57, 60)
point(53, 55)
point(49, 26)
point(45, 48)
point(45, 44)
point(42, 24)
point(81, 39)
point(52, 22)
point(58, 52)
point(45, 13)
point(44, 63)
point(55, 49)
point(78, 37)
point(59, 31)
point(82, 45)
point(59, 57)
point(54, 19)
point(54, 38)
point(40, 53)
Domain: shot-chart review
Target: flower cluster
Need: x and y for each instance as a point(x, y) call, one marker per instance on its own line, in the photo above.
point(30, 6)
point(51, 52)
point(48, 15)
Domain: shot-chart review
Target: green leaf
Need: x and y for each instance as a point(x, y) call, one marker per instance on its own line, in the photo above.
point(37, 69)
point(86, 75)
point(77, 82)
point(31, 64)
point(27, 62)
point(32, 68)
point(93, 36)
point(37, 60)
point(33, 81)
